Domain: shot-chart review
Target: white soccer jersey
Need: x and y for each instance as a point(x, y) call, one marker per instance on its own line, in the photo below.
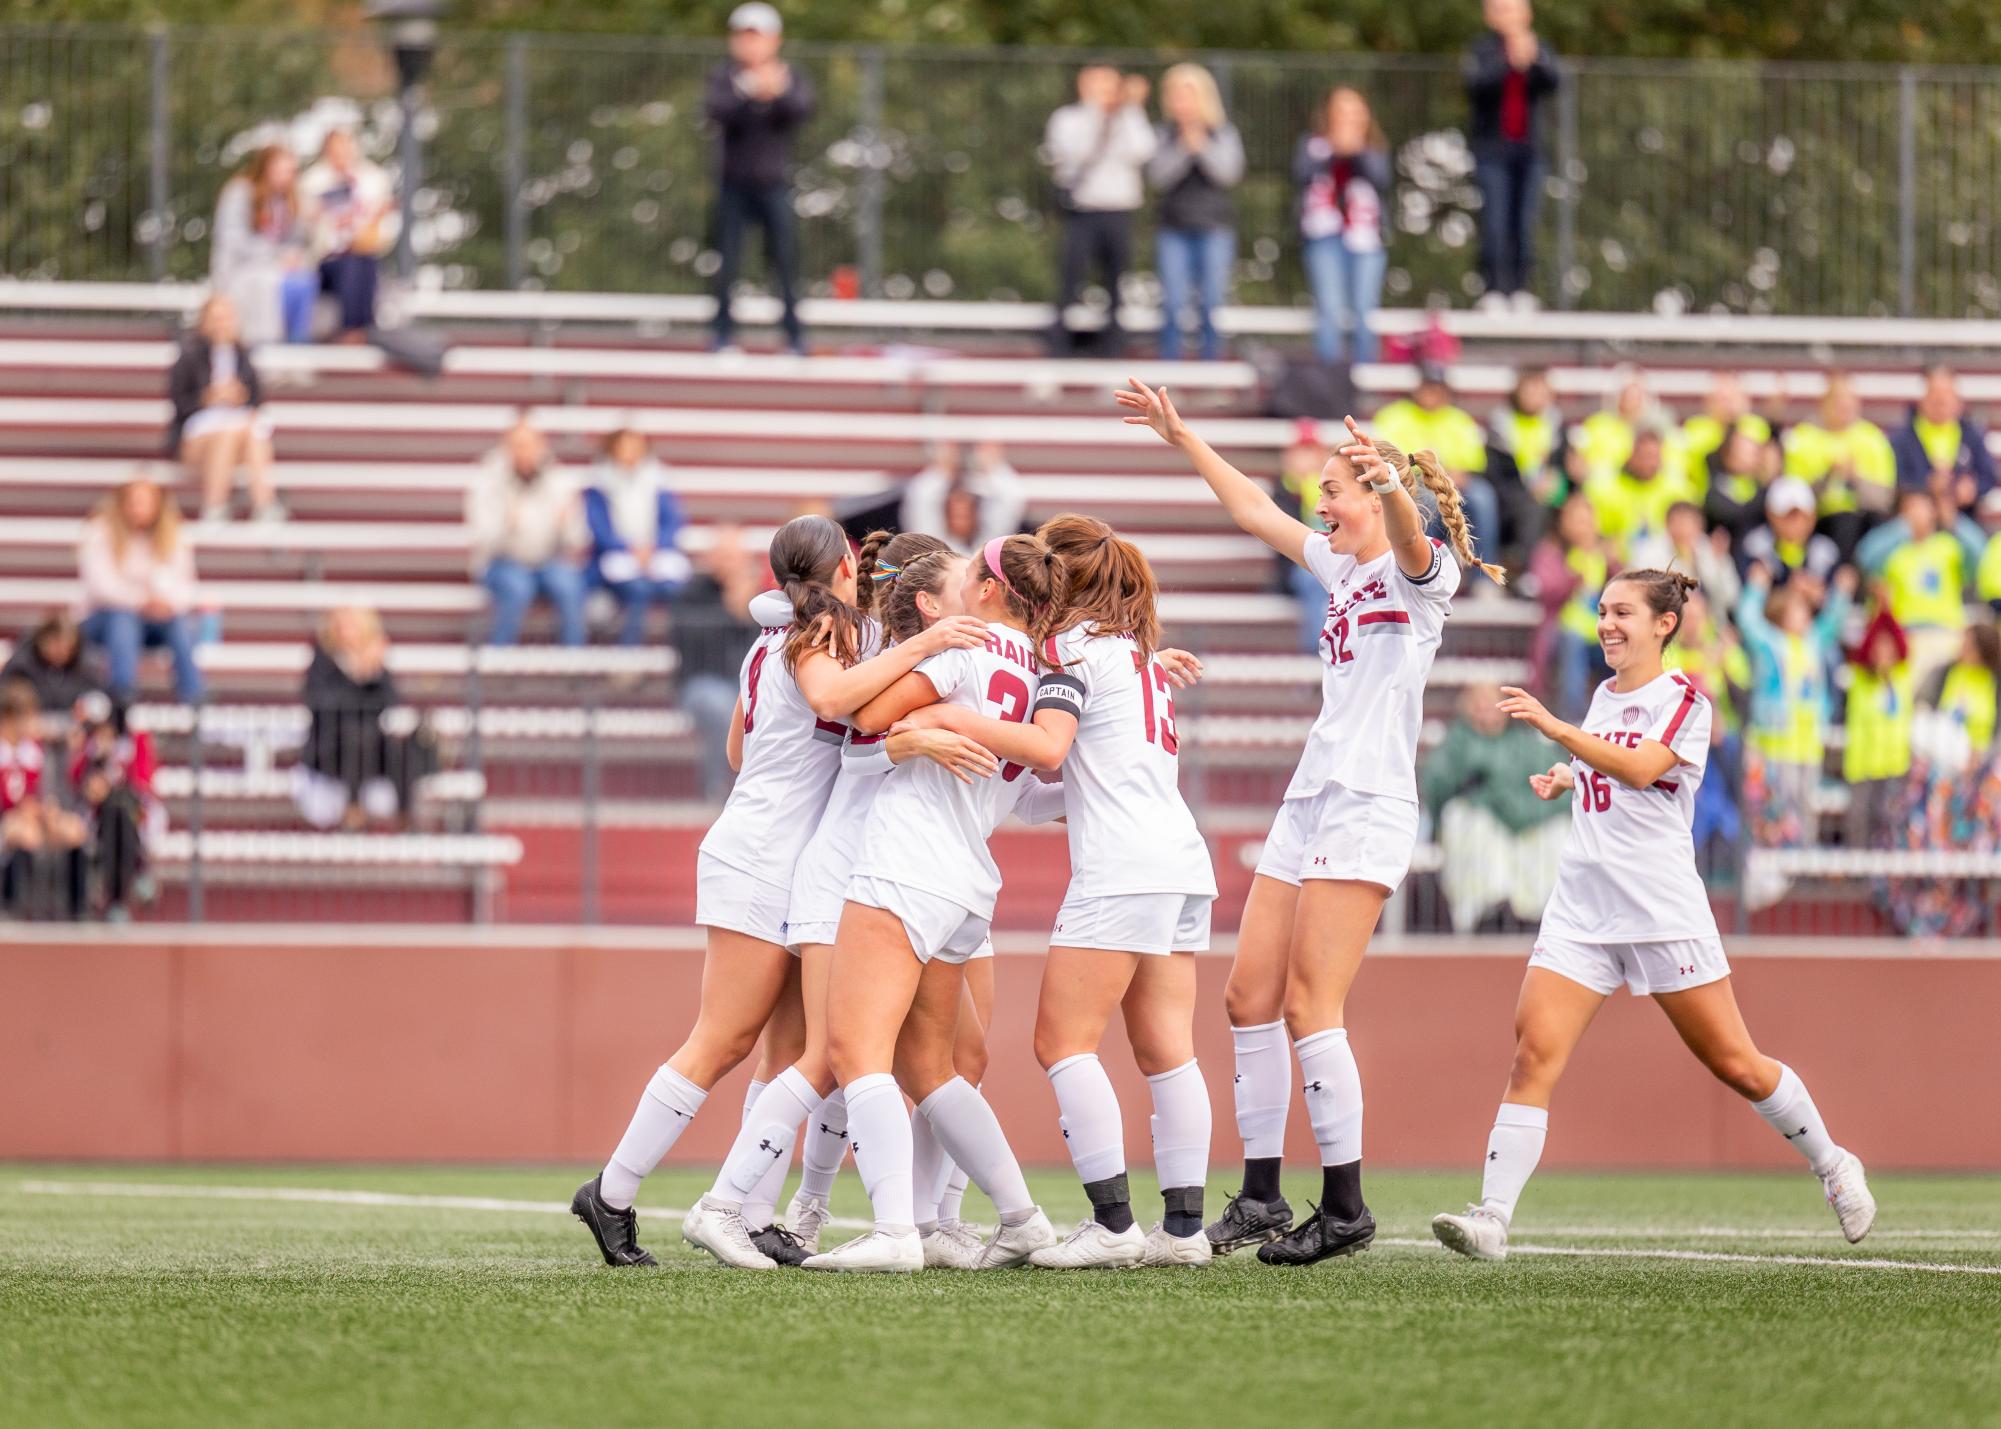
point(1130, 831)
point(1628, 872)
point(1379, 637)
point(927, 828)
point(790, 758)
point(820, 882)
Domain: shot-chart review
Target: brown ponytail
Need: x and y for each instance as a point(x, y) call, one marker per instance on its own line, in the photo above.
point(806, 555)
point(1031, 578)
point(1425, 467)
point(1665, 593)
point(924, 574)
point(1107, 581)
point(884, 556)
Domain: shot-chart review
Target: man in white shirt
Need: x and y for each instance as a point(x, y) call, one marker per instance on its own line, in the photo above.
point(1097, 150)
point(527, 536)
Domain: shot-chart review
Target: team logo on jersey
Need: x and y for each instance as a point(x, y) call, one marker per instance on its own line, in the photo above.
point(1632, 714)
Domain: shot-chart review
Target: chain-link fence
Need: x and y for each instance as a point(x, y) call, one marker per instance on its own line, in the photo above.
point(581, 164)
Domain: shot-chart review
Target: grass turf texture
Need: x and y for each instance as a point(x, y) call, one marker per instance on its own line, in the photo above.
point(197, 1311)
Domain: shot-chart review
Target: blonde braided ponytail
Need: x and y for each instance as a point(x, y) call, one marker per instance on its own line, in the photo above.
point(1426, 468)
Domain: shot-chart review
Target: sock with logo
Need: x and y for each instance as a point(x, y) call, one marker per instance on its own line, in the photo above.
point(1333, 1086)
point(826, 1145)
point(1513, 1148)
point(1094, 1134)
point(1790, 1111)
point(754, 1171)
point(1264, 1095)
point(879, 1134)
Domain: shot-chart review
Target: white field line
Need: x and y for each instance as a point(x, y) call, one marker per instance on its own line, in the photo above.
point(319, 1196)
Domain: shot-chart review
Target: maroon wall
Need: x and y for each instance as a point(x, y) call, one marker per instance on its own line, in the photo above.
point(534, 1051)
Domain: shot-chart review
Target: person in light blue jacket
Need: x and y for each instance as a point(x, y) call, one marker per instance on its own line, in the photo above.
point(634, 522)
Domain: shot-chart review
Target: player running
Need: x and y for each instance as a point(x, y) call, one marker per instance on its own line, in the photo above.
point(1343, 837)
point(798, 686)
point(1629, 907)
point(1140, 890)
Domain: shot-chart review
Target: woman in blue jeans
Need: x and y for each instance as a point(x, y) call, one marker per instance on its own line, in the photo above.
point(1197, 160)
point(138, 586)
point(1343, 174)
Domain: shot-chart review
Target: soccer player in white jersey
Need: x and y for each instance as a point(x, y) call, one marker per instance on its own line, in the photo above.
point(798, 686)
point(1140, 890)
point(920, 903)
point(1343, 837)
point(1629, 907)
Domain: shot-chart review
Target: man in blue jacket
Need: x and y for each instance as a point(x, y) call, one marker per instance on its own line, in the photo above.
point(1943, 450)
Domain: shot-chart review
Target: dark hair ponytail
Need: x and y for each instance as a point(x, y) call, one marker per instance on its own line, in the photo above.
point(806, 554)
point(1665, 592)
point(923, 574)
point(1031, 578)
point(885, 556)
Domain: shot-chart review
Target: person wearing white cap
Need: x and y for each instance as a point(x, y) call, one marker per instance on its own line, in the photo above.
point(755, 102)
point(1787, 541)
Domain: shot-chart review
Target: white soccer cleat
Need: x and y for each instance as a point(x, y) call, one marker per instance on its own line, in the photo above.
point(1480, 1234)
point(877, 1253)
point(1092, 1247)
point(1164, 1249)
point(1848, 1192)
point(1012, 1245)
point(952, 1247)
point(808, 1216)
point(720, 1230)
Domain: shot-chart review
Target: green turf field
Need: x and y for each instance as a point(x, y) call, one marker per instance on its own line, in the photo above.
point(179, 1306)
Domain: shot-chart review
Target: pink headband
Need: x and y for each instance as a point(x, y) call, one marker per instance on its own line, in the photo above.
point(992, 556)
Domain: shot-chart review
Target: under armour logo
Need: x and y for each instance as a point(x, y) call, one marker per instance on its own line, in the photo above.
point(1493, 1156)
point(856, 1147)
point(766, 1146)
point(1066, 1133)
point(1239, 1077)
point(1685, 972)
point(1320, 862)
point(1794, 1135)
point(1312, 1087)
point(1059, 927)
point(826, 1130)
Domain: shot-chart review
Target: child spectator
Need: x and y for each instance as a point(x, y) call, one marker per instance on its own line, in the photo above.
point(53, 659)
point(41, 868)
point(1569, 569)
point(1792, 651)
point(111, 772)
point(1786, 542)
point(1920, 570)
point(634, 521)
point(258, 255)
point(1965, 691)
point(526, 536)
point(1341, 172)
point(1876, 754)
point(1197, 159)
point(218, 423)
point(139, 586)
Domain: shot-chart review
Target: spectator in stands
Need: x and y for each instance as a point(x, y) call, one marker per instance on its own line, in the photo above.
point(1706, 651)
point(111, 776)
point(755, 103)
point(1299, 469)
point(1683, 543)
point(1428, 421)
point(1510, 75)
point(711, 630)
point(996, 488)
point(1528, 452)
point(1724, 410)
point(1569, 568)
point(1501, 843)
point(54, 661)
point(41, 869)
point(1987, 569)
point(526, 536)
point(1605, 438)
point(1343, 177)
point(1920, 570)
point(218, 424)
point(1739, 472)
point(1847, 459)
point(1632, 499)
point(1097, 150)
point(1787, 541)
point(634, 521)
point(1876, 752)
point(138, 586)
point(351, 208)
point(1942, 449)
point(352, 769)
point(1197, 159)
point(258, 254)
point(1965, 691)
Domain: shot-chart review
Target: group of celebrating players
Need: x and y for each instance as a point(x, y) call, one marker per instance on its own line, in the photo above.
point(890, 716)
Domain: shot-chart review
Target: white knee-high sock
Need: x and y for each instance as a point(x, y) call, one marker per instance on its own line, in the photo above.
point(929, 1166)
point(826, 1145)
point(1513, 1148)
point(1790, 1111)
point(1333, 1094)
point(665, 1108)
point(1093, 1130)
point(953, 1198)
point(879, 1133)
point(971, 1135)
point(764, 1146)
point(1263, 1088)
point(1181, 1119)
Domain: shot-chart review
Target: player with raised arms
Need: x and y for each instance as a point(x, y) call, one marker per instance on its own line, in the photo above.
point(1345, 831)
point(1630, 908)
point(1140, 890)
point(799, 685)
point(920, 903)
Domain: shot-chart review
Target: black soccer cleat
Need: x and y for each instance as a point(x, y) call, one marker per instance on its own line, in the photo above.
point(1320, 1237)
point(780, 1244)
point(616, 1231)
point(1248, 1221)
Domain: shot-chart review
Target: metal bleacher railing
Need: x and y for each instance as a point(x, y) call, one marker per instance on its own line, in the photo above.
point(578, 163)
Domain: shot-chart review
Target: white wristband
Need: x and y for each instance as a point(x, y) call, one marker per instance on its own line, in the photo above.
point(1384, 487)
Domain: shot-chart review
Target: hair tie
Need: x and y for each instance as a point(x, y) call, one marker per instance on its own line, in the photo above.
point(884, 571)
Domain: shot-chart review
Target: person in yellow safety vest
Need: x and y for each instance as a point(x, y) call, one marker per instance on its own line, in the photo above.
point(1427, 421)
point(1987, 569)
point(1570, 567)
point(1633, 499)
point(1787, 542)
point(1529, 455)
point(1792, 651)
point(1605, 439)
point(1725, 410)
point(1876, 753)
point(1966, 691)
point(1739, 472)
point(1844, 455)
point(1920, 570)
point(1706, 650)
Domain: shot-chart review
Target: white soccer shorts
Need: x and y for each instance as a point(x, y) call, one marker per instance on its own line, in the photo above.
point(1338, 833)
point(727, 897)
point(936, 926)
point(1675, 965)
point(1134, 923)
